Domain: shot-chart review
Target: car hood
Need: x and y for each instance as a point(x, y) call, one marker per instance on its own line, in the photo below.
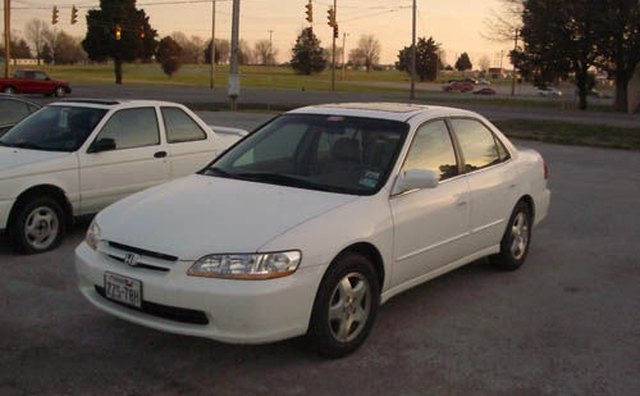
point(200, 215)
point(13, 161)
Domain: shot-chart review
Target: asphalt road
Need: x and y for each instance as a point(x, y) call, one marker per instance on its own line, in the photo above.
point(567, 323)
point(265, 99)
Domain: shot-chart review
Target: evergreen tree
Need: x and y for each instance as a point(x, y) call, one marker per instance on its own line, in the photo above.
point(307, 54)
point(169, 54)
point(427, 59)
point(464, 63)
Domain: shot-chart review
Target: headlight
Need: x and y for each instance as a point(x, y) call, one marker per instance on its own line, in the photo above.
point(93, 235)
point(246, 266)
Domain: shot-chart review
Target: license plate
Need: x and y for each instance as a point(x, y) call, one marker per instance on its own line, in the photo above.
point(123, 289)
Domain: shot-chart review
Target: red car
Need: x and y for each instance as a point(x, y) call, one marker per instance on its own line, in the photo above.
point(485, 91)
point(34, 82)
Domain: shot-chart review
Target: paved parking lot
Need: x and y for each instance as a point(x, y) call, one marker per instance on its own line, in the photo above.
point(567, 323)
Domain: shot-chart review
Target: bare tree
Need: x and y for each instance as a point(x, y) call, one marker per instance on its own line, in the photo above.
point(35, 31)
point(264, 52)
point(367, 52)
point(501, 25)
point(484, 63)
point(191, 48)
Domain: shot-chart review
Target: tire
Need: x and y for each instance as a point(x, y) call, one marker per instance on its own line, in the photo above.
point(345, 307)
point(38, 226)
point(59, 92)
point(514, 246)
point(9, 90)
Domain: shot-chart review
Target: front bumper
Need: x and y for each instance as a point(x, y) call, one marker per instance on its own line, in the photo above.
point(243, 312)
point(5, 210)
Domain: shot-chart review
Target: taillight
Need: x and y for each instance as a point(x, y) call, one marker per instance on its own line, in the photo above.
point(546, 170)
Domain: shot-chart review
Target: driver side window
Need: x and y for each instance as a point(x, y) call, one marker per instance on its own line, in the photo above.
point(132, 128)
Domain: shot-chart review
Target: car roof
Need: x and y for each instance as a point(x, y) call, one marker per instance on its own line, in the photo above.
point(111, 103)
point(384, 110)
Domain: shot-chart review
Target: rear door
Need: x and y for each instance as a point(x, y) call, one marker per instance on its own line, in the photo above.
point(41, 83)
point(190, 146)
point(493, 180)
point(430, 224)
point(139, 160)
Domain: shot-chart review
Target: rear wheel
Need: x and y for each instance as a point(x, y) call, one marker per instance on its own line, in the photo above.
point(345, 307)
point(514, 246)
point(39, 225)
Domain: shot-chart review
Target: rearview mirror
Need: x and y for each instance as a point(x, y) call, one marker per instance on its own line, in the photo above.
point(104, 144)
point(415, 179)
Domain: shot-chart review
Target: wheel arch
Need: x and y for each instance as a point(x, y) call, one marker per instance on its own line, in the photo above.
point(528, 200)
point(48, 190)
point(371, 252)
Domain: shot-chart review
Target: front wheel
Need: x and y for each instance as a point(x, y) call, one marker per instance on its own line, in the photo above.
point(60, 92)
point(39, 226)
point(514, 246)
point(345, 307)
point(9, 90)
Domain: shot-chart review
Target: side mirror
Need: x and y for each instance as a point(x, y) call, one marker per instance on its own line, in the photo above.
point(415, 179)
point(104, 144)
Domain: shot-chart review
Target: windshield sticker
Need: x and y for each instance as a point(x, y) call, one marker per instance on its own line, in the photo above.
point(369, 179)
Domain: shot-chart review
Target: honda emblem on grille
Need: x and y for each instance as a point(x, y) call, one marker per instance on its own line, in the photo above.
point(131, 259)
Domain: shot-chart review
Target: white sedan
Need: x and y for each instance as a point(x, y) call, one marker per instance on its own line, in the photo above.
point(76, 157)
point(307, 225)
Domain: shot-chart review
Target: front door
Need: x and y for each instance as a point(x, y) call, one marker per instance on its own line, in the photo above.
point(430, 224)
point(137, 160)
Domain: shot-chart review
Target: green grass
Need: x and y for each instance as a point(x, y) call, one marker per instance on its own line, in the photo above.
point(572, 134)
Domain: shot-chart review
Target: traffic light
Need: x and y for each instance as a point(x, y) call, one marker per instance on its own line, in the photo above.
point(118, 32)
point(74, 15)
point(309, 12)
point(336, 34)
point(54, 15)
point(331, 16)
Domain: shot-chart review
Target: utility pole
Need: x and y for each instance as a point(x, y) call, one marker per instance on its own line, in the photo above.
point(513, 73)
point(344, 54)
point(413, 53)
point(234, 77)
point(269, 62)
point(213, 44)
point(7, 37)
point(333, 52)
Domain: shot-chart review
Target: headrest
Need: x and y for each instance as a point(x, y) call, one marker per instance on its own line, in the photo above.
point(346, 149)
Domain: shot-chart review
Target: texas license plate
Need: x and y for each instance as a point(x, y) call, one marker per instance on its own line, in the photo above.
point(123, 289)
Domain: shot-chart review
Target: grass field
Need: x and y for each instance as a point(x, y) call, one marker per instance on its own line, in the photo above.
point(572, 134)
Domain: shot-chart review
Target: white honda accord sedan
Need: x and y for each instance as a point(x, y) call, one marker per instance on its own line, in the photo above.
point(308, 224)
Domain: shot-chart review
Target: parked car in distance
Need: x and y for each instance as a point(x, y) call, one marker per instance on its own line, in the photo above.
point(485, 91)
point(459, 86)
point(74, 158)
point(13, 109)
point(470, 80)
point(549, 92)
point(306, 225)
point(34, 82)
point(484, 81)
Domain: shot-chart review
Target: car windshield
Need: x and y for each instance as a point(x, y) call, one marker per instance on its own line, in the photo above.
point(349, 155)
point(54, 128)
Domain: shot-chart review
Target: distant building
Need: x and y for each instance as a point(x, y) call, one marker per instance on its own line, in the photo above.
point(497, 73)
point(633, 97)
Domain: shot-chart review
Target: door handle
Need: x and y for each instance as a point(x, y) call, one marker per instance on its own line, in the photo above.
point(160, 154)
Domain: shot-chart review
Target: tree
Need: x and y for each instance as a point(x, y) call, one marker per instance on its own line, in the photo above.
point(223, 48)
point(68, 50)
point(367, 52)
point(169, 54)
point(46, 53)
point(502, 24)
point(560, 39)
point(20, 49)
point(307, 54)
point(264, 52)
point(428, 61)
point(119, 31)
point(34, 32)
point(618, 39)
point(463, 63)
point(245, 55)
point(191, 48)
point(484, 63)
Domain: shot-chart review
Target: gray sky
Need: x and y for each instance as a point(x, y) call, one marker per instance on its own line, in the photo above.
point(456, 24)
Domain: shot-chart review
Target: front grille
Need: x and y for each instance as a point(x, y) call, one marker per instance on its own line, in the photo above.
point(141, 265)
point(175, 314)
point(143, 252)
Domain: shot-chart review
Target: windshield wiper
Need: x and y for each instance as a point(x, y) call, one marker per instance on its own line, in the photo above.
point(279, 178)
point(215, 171)
point(25, 145)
